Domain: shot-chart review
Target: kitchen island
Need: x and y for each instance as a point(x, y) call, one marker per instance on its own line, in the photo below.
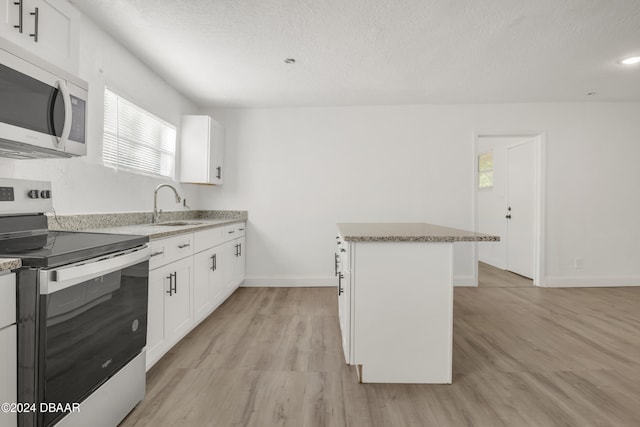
point(396, 299)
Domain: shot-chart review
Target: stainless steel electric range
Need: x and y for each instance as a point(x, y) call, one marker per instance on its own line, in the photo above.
point(81, 314)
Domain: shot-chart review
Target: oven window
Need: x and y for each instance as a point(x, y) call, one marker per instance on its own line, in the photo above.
point(92, 330)
point(30, 103)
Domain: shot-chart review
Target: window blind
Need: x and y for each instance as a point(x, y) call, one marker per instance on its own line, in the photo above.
point(135, 139)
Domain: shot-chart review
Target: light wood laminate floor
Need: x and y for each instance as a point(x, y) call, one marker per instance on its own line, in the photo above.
point(489, 275)
point(523, 356)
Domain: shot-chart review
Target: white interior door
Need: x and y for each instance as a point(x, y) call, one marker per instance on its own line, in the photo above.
point(520, 208)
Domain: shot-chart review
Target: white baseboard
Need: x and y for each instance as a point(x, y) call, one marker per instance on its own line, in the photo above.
point(289, 282)
point(464, 281)
point(590, 281)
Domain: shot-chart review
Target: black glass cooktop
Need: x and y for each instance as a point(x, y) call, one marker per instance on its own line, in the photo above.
point(53, 248)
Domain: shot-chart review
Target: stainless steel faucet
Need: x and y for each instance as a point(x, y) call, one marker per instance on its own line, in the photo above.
point(156, 213)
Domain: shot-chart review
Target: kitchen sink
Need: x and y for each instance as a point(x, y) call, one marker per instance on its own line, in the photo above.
point(174, 224)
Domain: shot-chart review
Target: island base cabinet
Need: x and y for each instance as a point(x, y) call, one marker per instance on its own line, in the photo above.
point(170, 314)
point(403, 312)
point(344, 312)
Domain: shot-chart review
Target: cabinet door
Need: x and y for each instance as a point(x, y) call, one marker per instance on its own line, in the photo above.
point(207, 282)
point(216, 289)
point(57, 29)
point(155, 314)
point(201, 150)
point(229, 259)
point(178, 317)
point(8, 373)
point(195, 135)
point(10, 17)
point(202, 298)
point(344, 312)
point(240, 262)
point(217, 153)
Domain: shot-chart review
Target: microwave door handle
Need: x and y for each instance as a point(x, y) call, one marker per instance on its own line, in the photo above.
point(64, 277)
point(68, 115)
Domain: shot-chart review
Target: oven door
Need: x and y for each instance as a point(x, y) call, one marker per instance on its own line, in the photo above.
point(93, 321)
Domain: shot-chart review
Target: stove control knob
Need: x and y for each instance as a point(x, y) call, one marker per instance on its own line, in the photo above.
point(33, 194)
point(45, 194)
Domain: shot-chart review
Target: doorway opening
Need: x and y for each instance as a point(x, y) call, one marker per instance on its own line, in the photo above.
point(508, 201)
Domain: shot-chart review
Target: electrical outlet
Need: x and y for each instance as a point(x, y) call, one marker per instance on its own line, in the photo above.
point(578, 263)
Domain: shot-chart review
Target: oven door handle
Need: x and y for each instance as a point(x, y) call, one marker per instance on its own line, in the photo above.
point(64, 277)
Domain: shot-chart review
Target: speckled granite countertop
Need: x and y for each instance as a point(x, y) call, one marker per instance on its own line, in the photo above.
point(408, 232)
point(10, 264)
point(139, 223)
point(155, 231)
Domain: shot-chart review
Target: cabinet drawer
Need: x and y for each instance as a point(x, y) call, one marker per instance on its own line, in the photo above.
point(7, 299)
point(208, 238)
point(164, 251)
point(234, 231)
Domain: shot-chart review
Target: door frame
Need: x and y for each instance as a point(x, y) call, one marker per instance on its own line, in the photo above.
point(539, 143)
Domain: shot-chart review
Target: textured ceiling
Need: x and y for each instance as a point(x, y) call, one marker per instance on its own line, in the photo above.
point(372, 52)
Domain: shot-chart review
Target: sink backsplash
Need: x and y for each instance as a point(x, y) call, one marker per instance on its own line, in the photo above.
point(89, 221)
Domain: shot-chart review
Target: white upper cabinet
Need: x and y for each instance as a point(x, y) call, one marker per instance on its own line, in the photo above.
point(201, 150)
point(48, 29)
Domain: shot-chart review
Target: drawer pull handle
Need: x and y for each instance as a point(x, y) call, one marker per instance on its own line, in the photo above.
point(240, 229)
point(186, 245)
point(156, 253)
point(232, 231)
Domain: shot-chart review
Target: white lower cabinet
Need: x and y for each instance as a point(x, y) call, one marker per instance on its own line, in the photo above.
point(8, 347)
point(208, 292)
point(170, 314)
point(190, 275)
point(178, 279)
point(234, 265)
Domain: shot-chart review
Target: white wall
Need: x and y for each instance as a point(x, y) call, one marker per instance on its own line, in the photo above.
point(299, 171)
point(84, 185)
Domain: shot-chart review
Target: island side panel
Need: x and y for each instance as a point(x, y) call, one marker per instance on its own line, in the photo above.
point(403, 303)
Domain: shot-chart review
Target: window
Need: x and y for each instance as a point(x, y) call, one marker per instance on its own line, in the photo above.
point(136, 140)
point(485, 170)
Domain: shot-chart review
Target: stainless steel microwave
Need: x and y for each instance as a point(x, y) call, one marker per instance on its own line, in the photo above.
point(43, 109)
